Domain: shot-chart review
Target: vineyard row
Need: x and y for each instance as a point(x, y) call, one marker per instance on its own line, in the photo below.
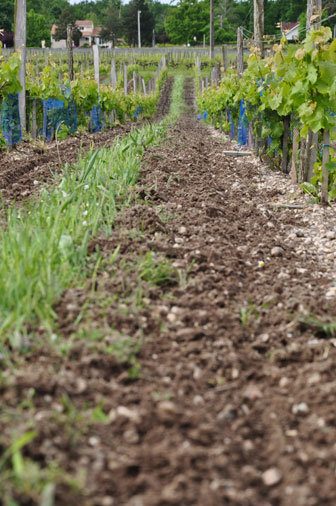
point(286, 102)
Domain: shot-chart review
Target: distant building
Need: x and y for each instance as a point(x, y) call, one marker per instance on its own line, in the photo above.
point(290, 30)
point(90, 35)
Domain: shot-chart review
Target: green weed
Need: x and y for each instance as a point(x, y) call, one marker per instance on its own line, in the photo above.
point(246, 312)
point(156, 271)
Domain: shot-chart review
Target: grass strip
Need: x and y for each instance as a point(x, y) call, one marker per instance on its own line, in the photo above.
point(43, 247)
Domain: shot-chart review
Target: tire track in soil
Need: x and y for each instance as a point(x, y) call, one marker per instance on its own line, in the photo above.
point(18, 171)
point(235, 402)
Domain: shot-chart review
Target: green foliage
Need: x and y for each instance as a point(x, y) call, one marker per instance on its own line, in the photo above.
point(300, 83)
point(130, 22)
point(187, 20)
point(43, 248)
point(67, 17)
point(155, 270)
point(9, 74)
point(37, 30)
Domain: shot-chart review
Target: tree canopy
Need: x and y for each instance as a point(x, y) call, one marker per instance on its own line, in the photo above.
point(180, 23)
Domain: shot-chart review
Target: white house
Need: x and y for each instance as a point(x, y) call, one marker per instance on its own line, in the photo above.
point(290, 30)
point(90, 35)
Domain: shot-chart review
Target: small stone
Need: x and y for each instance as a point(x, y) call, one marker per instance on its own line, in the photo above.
point(182, 230)
point(331, 235)
point(228, 413)
point(291, 433)
point(94, 441)
point(248, 445)
point(283, 383)
point(112, 415)
point(299, 233)
point(198, 400)
point(131, 436)
point(300, 409)
point(107, 501)
point(198, 373)
point(171, 317)
point(235, 373)
point(271, 477)
point(252, 393)
point(128, 413)
point(166, 411)
point(314, 378)
point(81, 385)
point(277, 251)
point(270, 224)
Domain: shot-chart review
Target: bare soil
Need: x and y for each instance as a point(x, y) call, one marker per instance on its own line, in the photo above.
point(234, 401)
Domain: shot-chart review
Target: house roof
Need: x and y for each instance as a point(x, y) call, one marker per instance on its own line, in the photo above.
point(86, 22)
point(287, 26)
point(90, 29)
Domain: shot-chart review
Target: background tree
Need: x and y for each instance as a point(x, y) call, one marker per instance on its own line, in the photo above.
point(113, 25)
point(160, 12)
point(37, 30)
point(130, 22)
point(187, 20)
point(66, 18)
point(6, 15)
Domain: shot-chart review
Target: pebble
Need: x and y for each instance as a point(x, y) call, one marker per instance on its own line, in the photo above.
point(252, 393)
point(264, 338)
point(283, 383)
point(107, 501)
point(271, 477)
point(314, 378)
point(198, 373)
point(128, 413)
point(166, 411)
point(182, 230)
point(94, 441)
point(171, 317)
point(235, 373)
point(198, 400)
point(277, 251)
point(131, 436)
point(300, 409)
point(299, 233)
point(331, 235)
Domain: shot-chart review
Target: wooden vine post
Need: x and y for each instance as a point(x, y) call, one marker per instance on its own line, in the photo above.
point(70, 52)
point(20, 26)
point(285, 140)
point(325, 160)
point(95, 50)
point(295, 148)
point(125, 79)
point(113, 74)
point(225, 60)
point(314, 13)
point(212, 38)
point(240, 51)
point(258, 19)
point(309, 145)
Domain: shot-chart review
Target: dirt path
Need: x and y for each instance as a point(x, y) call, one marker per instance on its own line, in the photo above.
point(234, 402)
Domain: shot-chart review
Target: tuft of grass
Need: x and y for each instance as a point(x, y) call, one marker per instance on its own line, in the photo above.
point(43, 247)
point(246, 312)
point(319, 327)
point(156, 271)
